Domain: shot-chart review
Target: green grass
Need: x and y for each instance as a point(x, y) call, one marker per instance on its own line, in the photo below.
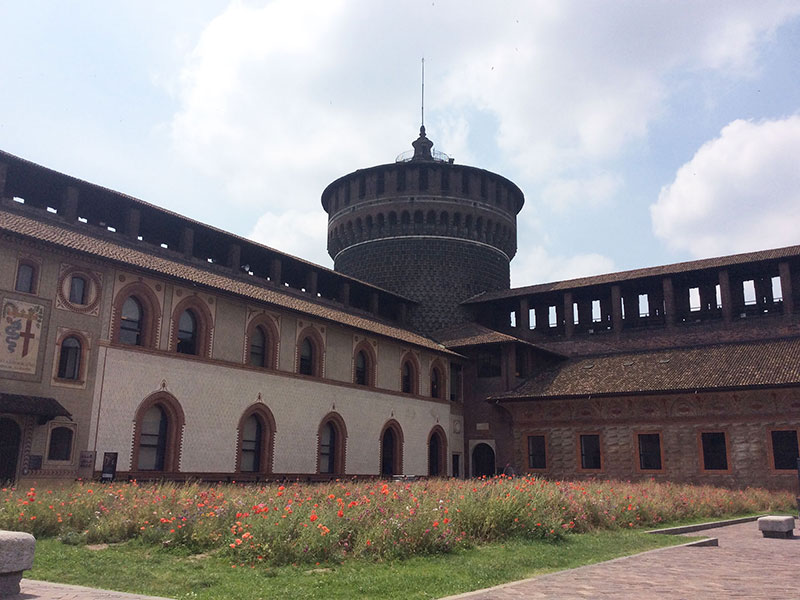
point(139, 568)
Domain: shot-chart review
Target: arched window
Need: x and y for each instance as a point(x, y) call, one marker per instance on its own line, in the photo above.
point(309, 354)
point(77, 290)
point(306, 357)
point(130, 322)
point(391, 449)
point(436, 383)
point(159, 424)
point(60, 447)
point(361, 368)
point(437, 453)
point(69, 360)
point(332, 436)
point(407, 376)
point(187, 333)
point(26, 278)
point(258, 347)
point(327, 449)
point(153, 439)
point(252, 444)
point(256, 438)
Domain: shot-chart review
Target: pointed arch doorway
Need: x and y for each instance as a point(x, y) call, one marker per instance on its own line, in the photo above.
point(10, 438)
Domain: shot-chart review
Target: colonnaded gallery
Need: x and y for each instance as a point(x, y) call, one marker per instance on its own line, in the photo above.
point(138, 343)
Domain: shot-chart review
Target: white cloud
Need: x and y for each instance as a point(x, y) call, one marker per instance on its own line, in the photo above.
point(294, 232)
point(564, 194)
point(537, 265)
point(739, 192)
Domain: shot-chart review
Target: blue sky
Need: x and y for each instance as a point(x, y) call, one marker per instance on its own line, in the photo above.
point(641, 133)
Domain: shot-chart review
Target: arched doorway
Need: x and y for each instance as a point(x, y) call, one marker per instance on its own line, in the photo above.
point(483, 461)
point(10, 436)
point(387, 453)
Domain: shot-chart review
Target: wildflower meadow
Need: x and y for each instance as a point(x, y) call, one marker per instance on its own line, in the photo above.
point(296, 523)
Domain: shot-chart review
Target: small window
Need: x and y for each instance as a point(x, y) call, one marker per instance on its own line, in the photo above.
point(69, 360)
point(455, 382)
point(77, 290)
point(489, 362)
point(649, 451)
point(26, 279)
point(130, 324)
point(361, 368)
point(537, 452)
point(590, 452)
point(306, 366)
point(60, 444)
point(258, 348)
point(784, 449)
point(715, 451)
point(252, 435)
point(187, 333)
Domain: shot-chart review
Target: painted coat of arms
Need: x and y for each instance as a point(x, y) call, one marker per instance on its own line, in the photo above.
point(21, 330)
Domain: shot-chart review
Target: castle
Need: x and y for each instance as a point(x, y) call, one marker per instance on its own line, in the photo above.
point(138, 343)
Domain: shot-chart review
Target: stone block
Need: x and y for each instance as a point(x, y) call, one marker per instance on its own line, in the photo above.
point(776, 526)
point(16, 556)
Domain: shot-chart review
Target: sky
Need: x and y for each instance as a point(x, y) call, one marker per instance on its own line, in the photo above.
point(641, 133)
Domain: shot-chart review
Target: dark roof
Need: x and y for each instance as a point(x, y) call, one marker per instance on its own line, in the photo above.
point(37, 406)
point(726, 366)
point(473, 334)
point(131, 257)
point(39, 172)
point(622, 276)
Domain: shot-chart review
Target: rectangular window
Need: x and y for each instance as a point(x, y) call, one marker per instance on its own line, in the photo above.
point(715, 451)
point(489, 363)
point(537, 452)
point(784, 449)
point(590, 452)
point(456, 465)
point(649, 451)
point(455, 382)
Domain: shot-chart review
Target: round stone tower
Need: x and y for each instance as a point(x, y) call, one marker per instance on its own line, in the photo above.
point(426, 228)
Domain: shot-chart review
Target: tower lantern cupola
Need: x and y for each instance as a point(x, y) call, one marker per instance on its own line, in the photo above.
point(422, 146)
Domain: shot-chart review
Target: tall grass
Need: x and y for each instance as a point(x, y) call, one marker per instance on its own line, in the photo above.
point(303, 522)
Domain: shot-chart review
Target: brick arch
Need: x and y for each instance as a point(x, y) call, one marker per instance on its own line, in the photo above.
point(437, 366)
point(409, 358)
point(83, 358)
point(205, 324)
point(151, 319)
point(176, 421)
point(267, 450)
point(441, 455)
point(270, 329)
point(397, 454)
point(340, 447)
point(318, 349)
point(372, 362)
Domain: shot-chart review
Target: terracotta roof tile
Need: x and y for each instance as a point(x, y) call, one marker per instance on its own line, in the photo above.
point(763, 363)
point(132, 257)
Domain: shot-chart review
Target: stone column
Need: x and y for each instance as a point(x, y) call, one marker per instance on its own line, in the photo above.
point(275, 271)
point(187, 242)
point(569, 315)
point(374, 303)
point(3, 175)
point(132, 221)
point(235, 257)
point(311, 283)
point(616, 309)
point(786, 287)
point(670, 318)
point(344, 293)
point(524, 320)
point(725, 295)
point(70, 205)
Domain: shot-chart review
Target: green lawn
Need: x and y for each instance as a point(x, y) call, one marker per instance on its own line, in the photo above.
point(139, 568)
